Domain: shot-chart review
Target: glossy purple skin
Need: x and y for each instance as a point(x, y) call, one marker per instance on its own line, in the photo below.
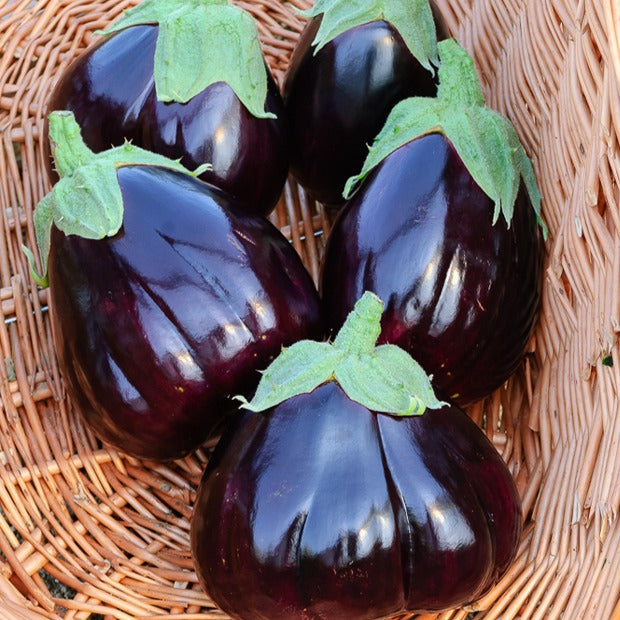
point(156, 327)
point(320, 508)
point(461, 294)
point(338, 100)
point(110, 90)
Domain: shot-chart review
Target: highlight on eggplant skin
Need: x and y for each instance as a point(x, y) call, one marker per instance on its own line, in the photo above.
point(110, 89)
point(338, 98)
point(156, 327)
point(462, 294)
point(321, 508)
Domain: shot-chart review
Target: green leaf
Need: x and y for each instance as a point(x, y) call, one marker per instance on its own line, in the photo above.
point(340, 16)
point(87, 200)
point(389, 380)
point(479, 138)
point(157, 11)
point(409, 119)
point(145, 12)
point(364, 380)
point(40, 280)
point(524, 165)
point(130, 155)
point(298, 369)
point(397, 362)
point(43, 219)
point(385, 378)
point(200, 43)
point(485, 140)
point(88, 203)
point(413, 19)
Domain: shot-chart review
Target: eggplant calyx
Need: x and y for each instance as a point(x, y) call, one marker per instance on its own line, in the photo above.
point(485, 140)
point(412, 19)
point(199, 43)
point(87, 200)
point(383, 378)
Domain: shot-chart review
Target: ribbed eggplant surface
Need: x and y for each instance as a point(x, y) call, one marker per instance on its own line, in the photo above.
point(111, 91)
point(461, 293)
point(320, 508)
point(158, 325)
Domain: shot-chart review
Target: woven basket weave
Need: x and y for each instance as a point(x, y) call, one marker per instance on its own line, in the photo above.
point(86, 532)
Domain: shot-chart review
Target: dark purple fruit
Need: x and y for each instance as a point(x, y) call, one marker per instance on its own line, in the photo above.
point(157, 326)
point(111, 91)
point(338, 99)
point(461, 293)
point(321, 508)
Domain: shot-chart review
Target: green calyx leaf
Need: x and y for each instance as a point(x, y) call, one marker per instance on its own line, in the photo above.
point(383, 378)
point(199, 43)
point(486, 141)
point(413, 19)
point(87, 200)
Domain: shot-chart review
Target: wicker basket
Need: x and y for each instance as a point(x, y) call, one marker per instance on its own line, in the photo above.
point(86, 532)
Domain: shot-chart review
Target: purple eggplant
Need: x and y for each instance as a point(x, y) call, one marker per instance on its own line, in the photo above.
point(339, 93)
point(158, 324)
point(462, 286)
point(111, 89)
point(462, 294)
point(320, 507)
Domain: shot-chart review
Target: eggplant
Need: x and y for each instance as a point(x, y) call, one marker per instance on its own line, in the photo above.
point(462, 285)
point(338, 92)
point(112, 91)
point(159, 323)
point(463, 294)
point(321, 507)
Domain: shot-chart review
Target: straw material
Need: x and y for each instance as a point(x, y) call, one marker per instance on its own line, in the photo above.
point(86, 532)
